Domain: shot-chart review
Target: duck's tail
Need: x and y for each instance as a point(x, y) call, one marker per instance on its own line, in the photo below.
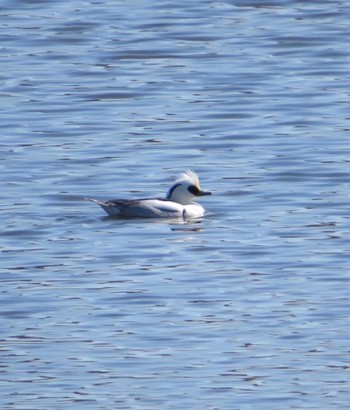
point(107, 206)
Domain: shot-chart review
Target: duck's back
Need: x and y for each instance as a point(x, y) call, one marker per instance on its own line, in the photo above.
point(142, 208)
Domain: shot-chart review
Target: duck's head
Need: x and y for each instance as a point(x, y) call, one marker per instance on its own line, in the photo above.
point(185, 189)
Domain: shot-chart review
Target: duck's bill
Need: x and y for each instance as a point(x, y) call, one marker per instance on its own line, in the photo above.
point(203, 193)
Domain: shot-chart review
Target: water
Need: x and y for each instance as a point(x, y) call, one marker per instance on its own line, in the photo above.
point(245, 309)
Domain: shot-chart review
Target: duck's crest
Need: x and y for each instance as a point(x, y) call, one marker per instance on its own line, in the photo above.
point(189, 176)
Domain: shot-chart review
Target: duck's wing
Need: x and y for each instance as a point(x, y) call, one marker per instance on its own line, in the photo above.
point(162, 208)
point(141, 208)
point(149, 208)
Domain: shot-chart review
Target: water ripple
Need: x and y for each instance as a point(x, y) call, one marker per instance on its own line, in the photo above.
point(248, 305)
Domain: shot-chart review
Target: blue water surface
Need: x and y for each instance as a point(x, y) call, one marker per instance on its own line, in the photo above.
point(247, 308)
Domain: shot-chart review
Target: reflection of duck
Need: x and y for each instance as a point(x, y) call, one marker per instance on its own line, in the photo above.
point(177, 203)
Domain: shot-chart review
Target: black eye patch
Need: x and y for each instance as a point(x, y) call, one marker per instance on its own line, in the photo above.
point(193, 190)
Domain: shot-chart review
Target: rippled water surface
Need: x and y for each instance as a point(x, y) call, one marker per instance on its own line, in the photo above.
point(248, 308)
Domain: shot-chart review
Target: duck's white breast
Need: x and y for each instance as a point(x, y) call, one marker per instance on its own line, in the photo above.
point(193, 210)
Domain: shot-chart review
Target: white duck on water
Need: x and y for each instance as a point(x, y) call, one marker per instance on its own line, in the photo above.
point(179, 202)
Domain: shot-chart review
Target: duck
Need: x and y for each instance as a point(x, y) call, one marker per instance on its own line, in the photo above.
point(178, 202)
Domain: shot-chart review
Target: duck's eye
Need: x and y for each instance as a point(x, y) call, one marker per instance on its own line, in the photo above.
point(194, 190)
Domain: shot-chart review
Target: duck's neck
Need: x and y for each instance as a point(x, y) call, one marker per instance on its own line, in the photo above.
point(176, 194)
